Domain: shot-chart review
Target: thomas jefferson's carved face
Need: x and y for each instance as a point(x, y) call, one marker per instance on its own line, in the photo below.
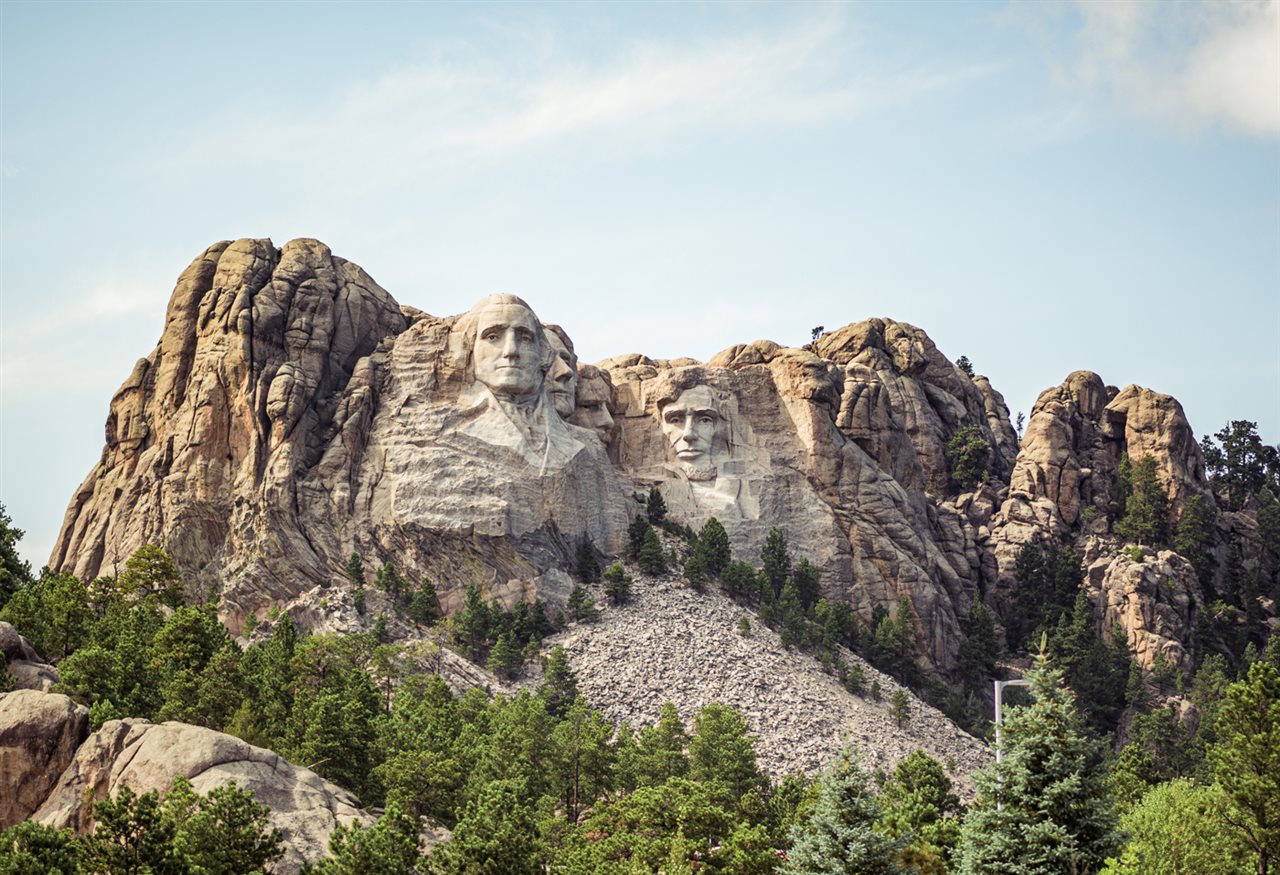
point(508, 355)
point(690, 424)
point(562, 379)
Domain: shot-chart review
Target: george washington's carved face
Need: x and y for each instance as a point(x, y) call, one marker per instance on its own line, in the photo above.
point(508, 353)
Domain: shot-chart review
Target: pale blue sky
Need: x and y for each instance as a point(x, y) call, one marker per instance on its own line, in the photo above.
point(1042, 187)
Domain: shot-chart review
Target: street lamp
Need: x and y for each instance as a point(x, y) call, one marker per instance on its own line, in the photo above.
point(1000, 685)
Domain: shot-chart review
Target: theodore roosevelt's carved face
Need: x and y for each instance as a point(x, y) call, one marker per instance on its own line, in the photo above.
point(508, 354)
point(562, 379)
point(690, 423)
point(592, 398)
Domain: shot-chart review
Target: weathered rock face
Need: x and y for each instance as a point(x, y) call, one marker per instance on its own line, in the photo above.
point(290, 415)
point(146, 756)
point(1065, 475)
point(293, 413)
point(1155, 600)
point(39, 734)
point(26, 669)
point(754, 439)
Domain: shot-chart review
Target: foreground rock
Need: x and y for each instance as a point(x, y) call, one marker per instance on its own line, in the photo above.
point(26, 669)
point(146, 756)
point(39, 735)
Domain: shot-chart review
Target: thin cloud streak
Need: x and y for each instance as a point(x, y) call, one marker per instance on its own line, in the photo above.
point(437, 119)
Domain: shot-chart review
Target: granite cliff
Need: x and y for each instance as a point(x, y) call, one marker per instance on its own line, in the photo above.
point(293, 413)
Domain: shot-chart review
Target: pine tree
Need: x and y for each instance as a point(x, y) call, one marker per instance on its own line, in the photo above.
point(661, 748)
point(1196, 536)
point(389, 847)
point(389, 581)
point(775, 561)
point(581, 607)
point(617, 584)
point(739, 580)
point(695, 571)
point(635, 536)
point(721, 750)
point(656, 507)
point(1246, 760)
point(586, 565)
point(805, 576)
point(505, 657)
point(713, 542)
point(900, 707)
point(471, 625)
point(968, 455)
point(841, 836)
point(424, 607)
point(355, 569)
point(1146, 510)
point(1044, 808)
point(651, 558)
point(559, 684)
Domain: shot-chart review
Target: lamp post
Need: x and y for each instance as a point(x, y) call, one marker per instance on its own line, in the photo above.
point(1000, 685)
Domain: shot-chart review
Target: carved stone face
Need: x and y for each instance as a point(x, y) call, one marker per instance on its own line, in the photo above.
point(507, 355)
point(592, 410)
point(562, 379)
point(690, 424)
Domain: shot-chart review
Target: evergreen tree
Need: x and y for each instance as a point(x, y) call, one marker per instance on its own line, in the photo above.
point(583, 759)
point(14, 572)
point(355, 570)
point(617, 584)
point(471, 625)
point(389, 581)
point(504, 658)
point(1098, 672)
point(661, 748)
point(1238, 461)
point(920, 807)
point(968, 455)
point(980, 650)
point(775, 562)
point(586, 565)
point(650, 557)
point(497, 835)
point(721, 750)
point(1048, 581)
point(656, 507)
point(695, 571)
point(841, 836)
point(739, 580)
point(1146, 515)
point(1195, 537)
point(389, 847)
point(805, 576)
point(1246, 760)
point(559, 684)
point(713, 542)
point(151, 573)
point(900, 707)
point(30, 847)
point(635, 536)
point(1043, 809)
point(424, 606)
point(581, 607)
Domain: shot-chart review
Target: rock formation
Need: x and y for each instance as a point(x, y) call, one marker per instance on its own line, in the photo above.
point(39, 734)
point(293, 413)
point(54, 770)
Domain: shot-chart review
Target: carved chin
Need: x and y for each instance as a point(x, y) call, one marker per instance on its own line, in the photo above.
point(699, 471)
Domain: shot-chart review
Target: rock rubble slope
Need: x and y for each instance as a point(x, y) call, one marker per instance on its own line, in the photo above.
point(673, 644)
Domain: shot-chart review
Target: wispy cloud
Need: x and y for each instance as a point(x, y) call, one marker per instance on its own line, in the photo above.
point(1192, 63)
point(470, 106)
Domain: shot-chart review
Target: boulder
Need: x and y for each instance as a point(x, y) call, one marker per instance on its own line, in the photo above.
point(39, 735)
point(146, 756)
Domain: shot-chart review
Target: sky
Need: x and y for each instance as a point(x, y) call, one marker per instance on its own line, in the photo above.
point(1042, 187)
